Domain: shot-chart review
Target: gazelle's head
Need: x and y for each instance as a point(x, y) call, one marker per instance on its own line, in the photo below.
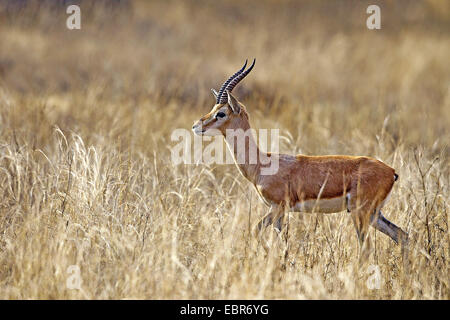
point(228, 112)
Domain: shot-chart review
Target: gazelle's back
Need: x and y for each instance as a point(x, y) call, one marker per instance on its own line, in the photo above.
point(310, 177)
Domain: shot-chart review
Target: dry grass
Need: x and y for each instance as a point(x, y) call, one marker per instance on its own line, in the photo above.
point(85, 124)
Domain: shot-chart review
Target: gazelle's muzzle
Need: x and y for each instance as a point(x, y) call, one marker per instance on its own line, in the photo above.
point(197, 128)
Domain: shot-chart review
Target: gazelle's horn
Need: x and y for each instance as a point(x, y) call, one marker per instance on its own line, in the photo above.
point(239, 77)
point(222, 97)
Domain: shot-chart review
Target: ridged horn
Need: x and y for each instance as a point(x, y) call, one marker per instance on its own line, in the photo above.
point(239, 77)
point(222, 97)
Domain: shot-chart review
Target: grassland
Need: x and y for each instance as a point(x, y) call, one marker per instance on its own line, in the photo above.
point(85, 123)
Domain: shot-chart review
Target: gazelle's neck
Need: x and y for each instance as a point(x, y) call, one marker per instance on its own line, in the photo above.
point(245, 150)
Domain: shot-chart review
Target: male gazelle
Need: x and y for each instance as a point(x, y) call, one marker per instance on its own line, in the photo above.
point(302, 183)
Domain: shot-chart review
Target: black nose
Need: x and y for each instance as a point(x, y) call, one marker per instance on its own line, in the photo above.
point(193, 127)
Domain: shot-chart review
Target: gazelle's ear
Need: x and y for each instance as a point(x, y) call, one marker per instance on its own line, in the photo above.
point(214, 93)
point(234, 104)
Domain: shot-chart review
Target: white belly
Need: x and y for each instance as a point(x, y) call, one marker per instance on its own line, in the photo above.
point(330, 205)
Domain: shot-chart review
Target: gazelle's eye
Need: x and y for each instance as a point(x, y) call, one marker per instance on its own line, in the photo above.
point(220, 115)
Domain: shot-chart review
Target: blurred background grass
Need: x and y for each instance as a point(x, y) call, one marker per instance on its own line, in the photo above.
point(85, 123)
point(318, 55)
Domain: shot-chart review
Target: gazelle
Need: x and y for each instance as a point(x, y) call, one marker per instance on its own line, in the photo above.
point(326, 184)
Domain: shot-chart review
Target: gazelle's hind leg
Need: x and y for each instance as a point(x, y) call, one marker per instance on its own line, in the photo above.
point(382, 224)
point(360, 221)
point(361, 216)
point(369, 191)
point(362, 207)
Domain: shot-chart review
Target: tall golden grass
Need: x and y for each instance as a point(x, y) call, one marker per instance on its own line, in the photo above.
point(86, 177)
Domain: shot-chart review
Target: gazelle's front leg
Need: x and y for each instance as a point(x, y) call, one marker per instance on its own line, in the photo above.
point(275, 214)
